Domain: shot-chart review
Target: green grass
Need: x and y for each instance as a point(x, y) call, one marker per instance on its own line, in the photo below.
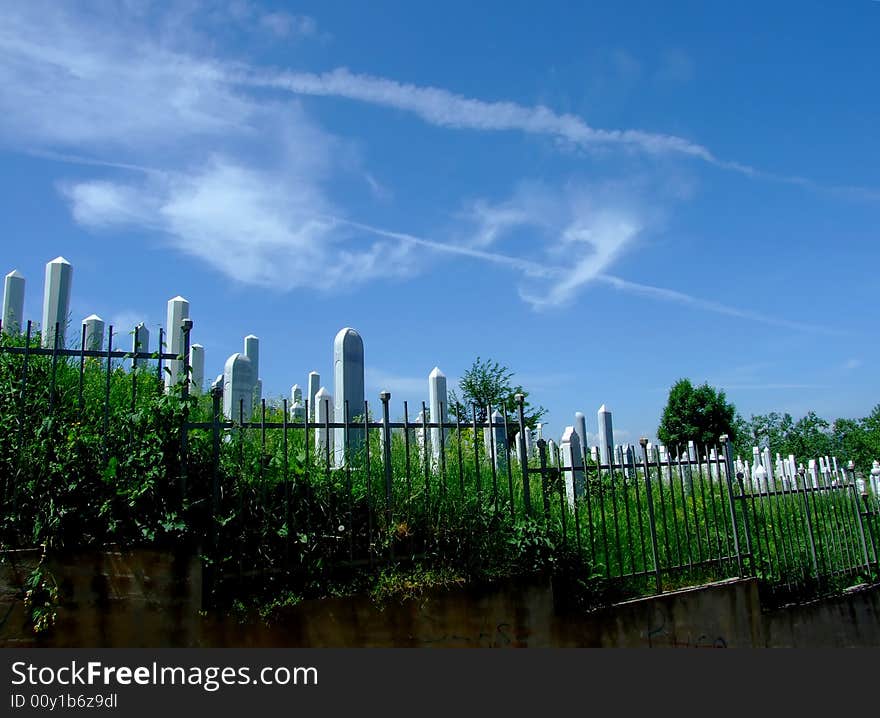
point(273, 519)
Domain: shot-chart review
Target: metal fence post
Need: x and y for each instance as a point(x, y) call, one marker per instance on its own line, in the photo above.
point(209, 570)
point(809, 520)
point(643, 442)
point(851, 467)
point(728, 473)
point(385, 398)
point(186, 326)
point(523, 458)
point(542, 459)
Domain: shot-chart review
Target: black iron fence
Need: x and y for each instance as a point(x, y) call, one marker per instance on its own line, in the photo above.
point(271, 503)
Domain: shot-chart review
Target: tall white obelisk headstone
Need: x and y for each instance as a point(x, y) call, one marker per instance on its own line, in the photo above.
point(56, 301)
point(94, 327)
point(13, 302)
point(606, 434)
point(439, 404)
point(178, 310)
point(197, 367)
point(348, 377)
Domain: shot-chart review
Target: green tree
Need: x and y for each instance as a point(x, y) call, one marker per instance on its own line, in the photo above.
point(486, 383)
point(700, 414)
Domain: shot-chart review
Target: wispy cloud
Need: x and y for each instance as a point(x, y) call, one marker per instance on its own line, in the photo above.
point(444, 108)
point(671, 295)
point(851, 364)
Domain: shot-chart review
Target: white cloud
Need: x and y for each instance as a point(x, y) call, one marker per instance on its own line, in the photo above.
point(283, 24)
point(851, 364)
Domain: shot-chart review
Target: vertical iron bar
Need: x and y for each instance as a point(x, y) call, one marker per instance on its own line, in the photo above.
point(82, 369)
point(407, 460)
point(643, 442)
point(684, 512)
point(385, 398)
point(668, 554)
point(425, 461)
point(629, 541)
point(369, 479)
point(542, 460)
point(285, 476)
point(507, 461)
point(477, 457)
point(809, 521)
point(721, 485)
point(458, 447)
point(185, 329)
point(612, 482)
point(493, 456)
point(639, 514)
point(159, 375)
point(54, 367)
point(601, 497)
point(349, 486)
point(107, 384)
point(527, 489)
point(728, 470)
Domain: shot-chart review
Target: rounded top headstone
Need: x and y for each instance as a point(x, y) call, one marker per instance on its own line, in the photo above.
point(579, 414)
point(239, 362)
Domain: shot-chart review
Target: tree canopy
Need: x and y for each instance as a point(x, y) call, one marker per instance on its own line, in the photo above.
point(489, 383)
point(700, 414)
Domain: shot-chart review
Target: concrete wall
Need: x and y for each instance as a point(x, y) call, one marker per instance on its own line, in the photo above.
point(152, 599)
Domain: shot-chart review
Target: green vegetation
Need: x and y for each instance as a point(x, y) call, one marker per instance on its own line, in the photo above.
point(95, 458)
point(700, 414)
point(487, 383)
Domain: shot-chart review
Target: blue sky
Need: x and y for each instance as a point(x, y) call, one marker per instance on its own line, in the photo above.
point(605, 198)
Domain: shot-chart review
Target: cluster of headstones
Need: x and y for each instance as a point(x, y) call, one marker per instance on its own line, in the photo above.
point(56, 308)
point(765, 474)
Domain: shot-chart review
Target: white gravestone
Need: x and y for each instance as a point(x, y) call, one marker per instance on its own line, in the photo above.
point(580, 427)
point(499, 439)
point(56, 301)
point(324, 412)
point(572, 465)
point(238, 388)
point(94, 327)
point(606, 433)
point(13, 302)
point(297, 409)
point(314, 383)
point(348, 377)
point(875, 478)
point(197, 368)
point(178, 310)
point(439, 403)
point(140, 343)
point(552, 454)
point(252, 352)
point(814, 474)
point(760, 475)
